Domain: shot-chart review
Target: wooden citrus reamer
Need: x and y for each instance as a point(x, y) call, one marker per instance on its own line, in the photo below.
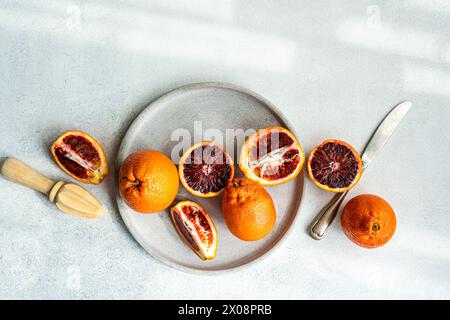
point(68, 197)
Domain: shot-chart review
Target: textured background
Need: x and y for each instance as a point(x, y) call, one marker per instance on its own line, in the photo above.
point(334, 70)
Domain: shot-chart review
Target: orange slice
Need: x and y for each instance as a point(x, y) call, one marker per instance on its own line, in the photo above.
point(80, 156)
point(335, 166)
point(271, 156)
point(196, 228)
point(205, 169)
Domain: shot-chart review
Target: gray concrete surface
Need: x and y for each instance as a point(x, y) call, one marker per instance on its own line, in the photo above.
point(334, 69)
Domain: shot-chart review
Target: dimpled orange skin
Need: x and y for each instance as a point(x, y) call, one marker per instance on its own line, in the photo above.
point(148, 181)
point(369, 221)
point(248, 209)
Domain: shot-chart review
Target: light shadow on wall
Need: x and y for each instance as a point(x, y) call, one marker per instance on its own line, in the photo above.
point(136, 31)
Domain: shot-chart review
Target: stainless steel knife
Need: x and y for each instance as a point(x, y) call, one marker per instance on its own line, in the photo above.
point(376, 143)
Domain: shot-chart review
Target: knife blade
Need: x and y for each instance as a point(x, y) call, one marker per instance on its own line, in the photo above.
point(384, 132)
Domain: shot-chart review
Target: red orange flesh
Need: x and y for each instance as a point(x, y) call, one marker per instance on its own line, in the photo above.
point(271, 156)
point(196, 228)
point(335, 166)
point(80, 156)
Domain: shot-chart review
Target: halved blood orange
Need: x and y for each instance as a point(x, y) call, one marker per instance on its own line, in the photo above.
point(335, 166)
point(205, 169)
point(271, 156)
point(80, 156)
point(196, 228)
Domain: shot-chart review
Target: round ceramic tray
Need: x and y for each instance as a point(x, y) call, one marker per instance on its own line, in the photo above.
point(210, 106)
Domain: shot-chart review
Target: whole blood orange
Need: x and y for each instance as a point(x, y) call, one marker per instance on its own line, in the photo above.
point(248, 209)
point(196, 228)
point(205, 169)
point(368, 220)
point(271, 156)
point(334, 166)
point(80, 156)
point(148, 181)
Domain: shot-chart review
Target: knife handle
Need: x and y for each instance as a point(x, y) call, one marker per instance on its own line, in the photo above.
point(326, 216)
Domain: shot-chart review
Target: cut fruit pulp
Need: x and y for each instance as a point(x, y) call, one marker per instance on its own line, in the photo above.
point(335, 166)
point(80, 156)
point(271, 156)
point(196, 228)
point(205, 169)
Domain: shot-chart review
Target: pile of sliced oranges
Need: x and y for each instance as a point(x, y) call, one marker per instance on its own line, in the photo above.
point(269, 157)
point(149, 182)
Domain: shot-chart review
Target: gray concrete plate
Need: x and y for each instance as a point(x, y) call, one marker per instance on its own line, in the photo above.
point(220, 106)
